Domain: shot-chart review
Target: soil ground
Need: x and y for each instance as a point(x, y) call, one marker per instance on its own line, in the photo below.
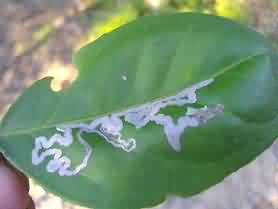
point(24, 59)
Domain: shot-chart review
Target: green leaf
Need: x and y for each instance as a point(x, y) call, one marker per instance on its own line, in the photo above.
point(147, 64)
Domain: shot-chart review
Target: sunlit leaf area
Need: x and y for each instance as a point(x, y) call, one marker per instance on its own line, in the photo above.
point(38, 39)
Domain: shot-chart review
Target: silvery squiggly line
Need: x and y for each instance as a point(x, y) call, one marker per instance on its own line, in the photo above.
point(109, 128)
point(59, 163)
point(192, 118)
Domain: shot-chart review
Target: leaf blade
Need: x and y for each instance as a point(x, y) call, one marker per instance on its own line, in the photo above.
point(158, 57)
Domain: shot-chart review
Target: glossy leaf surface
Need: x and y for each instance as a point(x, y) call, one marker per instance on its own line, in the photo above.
point(146, 60)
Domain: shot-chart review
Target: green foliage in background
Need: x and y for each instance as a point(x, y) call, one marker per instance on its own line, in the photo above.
point(43, 33)
point(123, 11)
point(160, 56)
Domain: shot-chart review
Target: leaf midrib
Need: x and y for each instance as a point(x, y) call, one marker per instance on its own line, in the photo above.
point(19, 131)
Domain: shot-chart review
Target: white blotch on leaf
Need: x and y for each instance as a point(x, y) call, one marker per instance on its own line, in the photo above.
point(110, 127)
point(124, 77)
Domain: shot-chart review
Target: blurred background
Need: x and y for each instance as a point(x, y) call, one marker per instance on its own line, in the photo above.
point(38, 38)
